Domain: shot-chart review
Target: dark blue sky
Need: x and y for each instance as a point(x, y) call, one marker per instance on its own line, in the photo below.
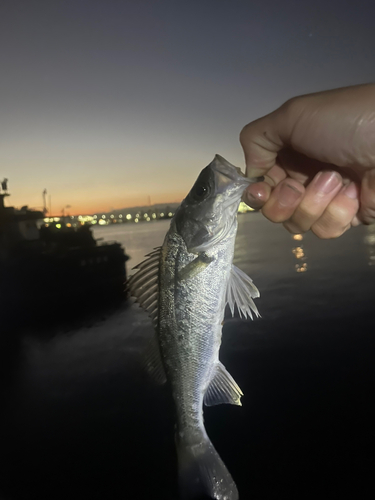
point(106, 102)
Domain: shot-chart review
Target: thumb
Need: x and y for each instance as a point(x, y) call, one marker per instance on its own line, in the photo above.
point(261, 143)
point(367, 211)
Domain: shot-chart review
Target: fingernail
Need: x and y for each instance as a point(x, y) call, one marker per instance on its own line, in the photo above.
point(326, 182)
point(288, 195)
point(252, 200)
point(351, 191)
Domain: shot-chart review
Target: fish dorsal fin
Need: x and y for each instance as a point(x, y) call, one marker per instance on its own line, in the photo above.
point(144, 284)
point(222, 388)
point(241, 291)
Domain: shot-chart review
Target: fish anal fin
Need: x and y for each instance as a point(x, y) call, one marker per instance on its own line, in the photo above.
point(240, 292)
point(222, 388)
point(152, 361)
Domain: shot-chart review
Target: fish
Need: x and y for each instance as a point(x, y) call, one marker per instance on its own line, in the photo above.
point(185, 285)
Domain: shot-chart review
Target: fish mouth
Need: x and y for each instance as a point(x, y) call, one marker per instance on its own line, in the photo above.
point(225, 167)
point(234, 173)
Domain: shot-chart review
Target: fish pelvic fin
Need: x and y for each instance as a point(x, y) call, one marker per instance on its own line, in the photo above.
point(195, 267)
point(202, 473)
point(240, 292)
point(222, 388)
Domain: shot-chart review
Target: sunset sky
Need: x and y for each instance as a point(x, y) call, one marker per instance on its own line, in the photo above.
point(105, 103)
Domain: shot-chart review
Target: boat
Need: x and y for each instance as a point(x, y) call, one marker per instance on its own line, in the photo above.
point(52, 270)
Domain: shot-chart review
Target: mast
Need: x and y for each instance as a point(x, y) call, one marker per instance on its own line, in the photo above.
point(44, 202)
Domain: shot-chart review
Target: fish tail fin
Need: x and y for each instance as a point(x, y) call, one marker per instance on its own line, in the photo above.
point(202, 473)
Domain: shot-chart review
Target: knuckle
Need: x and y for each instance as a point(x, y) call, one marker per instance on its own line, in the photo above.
point(305, 216)
point(293, 228)
point(334, 221)
point(307, 212)
point(327, 229)
point(274, 215)
point(368, 215)
point(294, 106)
point(291, 113)
point(245, 133)
point(326, 234)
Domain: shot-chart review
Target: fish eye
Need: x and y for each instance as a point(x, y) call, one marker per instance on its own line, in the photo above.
point(203, 185)
point(200, 192)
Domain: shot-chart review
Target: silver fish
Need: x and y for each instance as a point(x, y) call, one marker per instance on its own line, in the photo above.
point(184, 286)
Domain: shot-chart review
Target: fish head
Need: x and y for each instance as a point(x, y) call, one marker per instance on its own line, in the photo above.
point(209, 211)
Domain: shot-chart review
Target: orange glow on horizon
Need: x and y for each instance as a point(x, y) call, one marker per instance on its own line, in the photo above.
point(104, 207)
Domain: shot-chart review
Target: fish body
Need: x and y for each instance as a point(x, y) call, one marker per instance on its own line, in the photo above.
point(195, 280)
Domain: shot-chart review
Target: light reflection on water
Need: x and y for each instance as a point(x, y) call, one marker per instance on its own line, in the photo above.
point(137, 239)
point(299, 253)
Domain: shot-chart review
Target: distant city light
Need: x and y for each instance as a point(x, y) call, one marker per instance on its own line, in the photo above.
point(68, 224)
point(102, 222)
point(154, 216)
point(95, 216)
point(94, 222)
point(137, 215)
point(120, 216)
point(72, 216)
point(112, 216)
point(58, 226)
point(128, 216)
point(46, 220)
point(162, 214)
point(145, 216)
point(148, 219)
point(170, 214)
point(103, 216)
point(85, 218)
point(56, 219)
point(135, 220)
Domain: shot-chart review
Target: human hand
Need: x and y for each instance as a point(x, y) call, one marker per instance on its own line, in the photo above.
point(317, 153)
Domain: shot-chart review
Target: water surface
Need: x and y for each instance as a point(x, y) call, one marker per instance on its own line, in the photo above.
point(81, 420)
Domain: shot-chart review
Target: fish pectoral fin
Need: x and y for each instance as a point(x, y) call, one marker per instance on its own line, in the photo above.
point(241, 291)
point(152, 361)
point(223, 388)
point(195, 267)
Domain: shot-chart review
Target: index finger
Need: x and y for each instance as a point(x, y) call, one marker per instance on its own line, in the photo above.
point(261, 143)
